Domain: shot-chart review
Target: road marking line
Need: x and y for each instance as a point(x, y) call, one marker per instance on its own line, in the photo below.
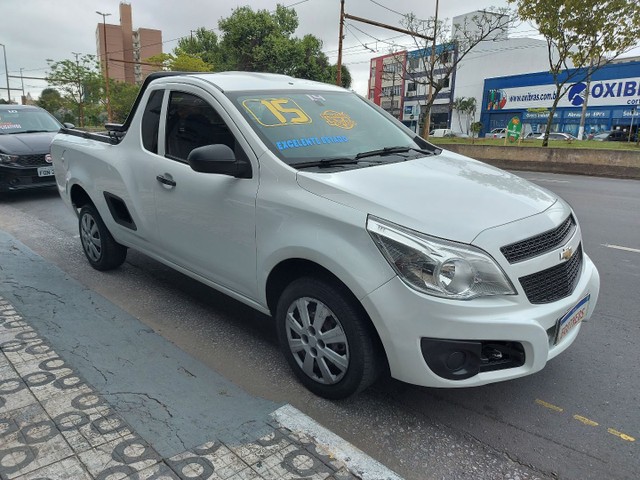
point(334, 446)
point(549, 405)
point(618, 247)
point(586, 421)
point(621, 435)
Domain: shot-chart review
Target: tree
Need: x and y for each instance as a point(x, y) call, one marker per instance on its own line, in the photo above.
point(476, 128)
point(122, 96)
point(73, 79)
point(440, 58)
point(262, 41)
point(602, 31)
point(467, 107)
point(51, 100)
point(204, 44)
point(181, 62)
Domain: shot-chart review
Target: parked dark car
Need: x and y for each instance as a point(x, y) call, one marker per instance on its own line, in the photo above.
point(25, 135)
point(614, 136)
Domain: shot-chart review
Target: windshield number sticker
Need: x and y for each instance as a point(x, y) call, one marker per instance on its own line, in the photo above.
point(276, 112)
point(10, 126)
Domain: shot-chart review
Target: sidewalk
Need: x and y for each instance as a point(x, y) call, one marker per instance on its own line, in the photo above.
point(88, 392)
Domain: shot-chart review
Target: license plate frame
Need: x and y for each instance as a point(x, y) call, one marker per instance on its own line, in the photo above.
point(572, 318)
point(45, 171)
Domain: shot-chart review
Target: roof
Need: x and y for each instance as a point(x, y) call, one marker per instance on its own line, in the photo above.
point(243, 81)
point(10, 106)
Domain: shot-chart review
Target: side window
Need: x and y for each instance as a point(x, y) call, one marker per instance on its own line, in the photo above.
point(151, 121)
point(193, 123)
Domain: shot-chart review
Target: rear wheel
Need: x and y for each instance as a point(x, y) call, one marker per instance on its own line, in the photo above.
point(102, 251)
point(325, 338)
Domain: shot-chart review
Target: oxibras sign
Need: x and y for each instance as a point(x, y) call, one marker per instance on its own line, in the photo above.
point(619, 92)
point(628, 91)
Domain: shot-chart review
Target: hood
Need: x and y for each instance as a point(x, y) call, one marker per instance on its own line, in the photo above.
point(26, 143)
point(448, 195)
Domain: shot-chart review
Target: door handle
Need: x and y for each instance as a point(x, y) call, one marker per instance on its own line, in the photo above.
point(166, 181)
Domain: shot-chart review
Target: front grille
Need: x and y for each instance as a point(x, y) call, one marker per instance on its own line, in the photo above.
point(534, 246)
point(31, 160)
point(553, 283)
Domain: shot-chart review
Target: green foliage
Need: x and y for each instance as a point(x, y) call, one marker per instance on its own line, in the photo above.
point(79, 93)
point(204, 44)
point(476, 128)
point(122, 96)
point(586, 34)
point(465, 106)
point(51, 100)
point(258, 41)
point(262, 41)
point(603, 28)
point(181, 62)
point(77, 81)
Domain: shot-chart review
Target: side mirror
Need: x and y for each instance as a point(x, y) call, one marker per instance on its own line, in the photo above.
point(68, 125)
point(218, 159)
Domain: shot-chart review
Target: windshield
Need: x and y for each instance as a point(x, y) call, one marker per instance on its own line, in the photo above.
point(302, 127)
point(25, 121)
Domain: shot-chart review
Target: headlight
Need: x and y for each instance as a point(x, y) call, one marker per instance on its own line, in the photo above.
point(4, 158)
point(436, 266)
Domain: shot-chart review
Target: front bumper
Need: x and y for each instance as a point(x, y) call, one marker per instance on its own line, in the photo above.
point(24, 178)
point(404, 317)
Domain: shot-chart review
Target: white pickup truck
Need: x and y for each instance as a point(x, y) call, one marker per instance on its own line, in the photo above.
point(373, 250)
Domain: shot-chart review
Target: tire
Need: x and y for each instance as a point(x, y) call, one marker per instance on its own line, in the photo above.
point(333, 370)
point(102, 251)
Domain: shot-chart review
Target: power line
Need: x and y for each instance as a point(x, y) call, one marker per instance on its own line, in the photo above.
point(348, 25)
point(387, 8)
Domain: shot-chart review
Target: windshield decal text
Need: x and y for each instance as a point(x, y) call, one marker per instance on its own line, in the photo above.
point(310, 141)
point(10, 126)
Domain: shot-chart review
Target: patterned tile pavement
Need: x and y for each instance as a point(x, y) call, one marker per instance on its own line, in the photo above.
point(55, 426)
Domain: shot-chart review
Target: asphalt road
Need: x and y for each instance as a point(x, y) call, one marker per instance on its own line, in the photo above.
point(577, 419)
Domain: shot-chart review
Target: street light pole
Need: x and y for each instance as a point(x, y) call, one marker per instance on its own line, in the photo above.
point(106, 63)
point(24, 98)
point(6, 71)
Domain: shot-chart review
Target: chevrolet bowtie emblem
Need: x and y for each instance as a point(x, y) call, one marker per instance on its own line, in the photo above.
point(566, 253)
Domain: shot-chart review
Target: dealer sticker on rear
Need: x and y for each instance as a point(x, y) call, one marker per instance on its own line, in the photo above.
point(572, 318)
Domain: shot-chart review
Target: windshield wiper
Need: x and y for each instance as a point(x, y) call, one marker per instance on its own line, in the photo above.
point(390, 151)
point(327, 162)
point(34, 131)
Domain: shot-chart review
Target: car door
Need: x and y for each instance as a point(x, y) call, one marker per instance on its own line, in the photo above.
point(206, 222)
point(130, 196)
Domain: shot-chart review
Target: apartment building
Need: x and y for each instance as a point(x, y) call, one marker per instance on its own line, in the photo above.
point(125, 47)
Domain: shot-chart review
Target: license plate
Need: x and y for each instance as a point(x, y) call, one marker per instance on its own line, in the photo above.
point(45, 171)
point(572, 318)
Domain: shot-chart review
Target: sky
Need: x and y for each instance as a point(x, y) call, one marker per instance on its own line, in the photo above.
point(36, 30)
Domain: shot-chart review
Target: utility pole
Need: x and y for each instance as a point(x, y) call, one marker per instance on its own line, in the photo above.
point(6, 70)
point(80, 91)
point(106, 64)
point(24, 98)
point(339, 65)
point(370, 22)
point(427, 120)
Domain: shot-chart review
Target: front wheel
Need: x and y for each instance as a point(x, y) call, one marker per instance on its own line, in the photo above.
point(325, 339)
point(102, 251)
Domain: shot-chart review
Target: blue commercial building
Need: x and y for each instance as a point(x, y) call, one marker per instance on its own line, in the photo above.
point(613, 101)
